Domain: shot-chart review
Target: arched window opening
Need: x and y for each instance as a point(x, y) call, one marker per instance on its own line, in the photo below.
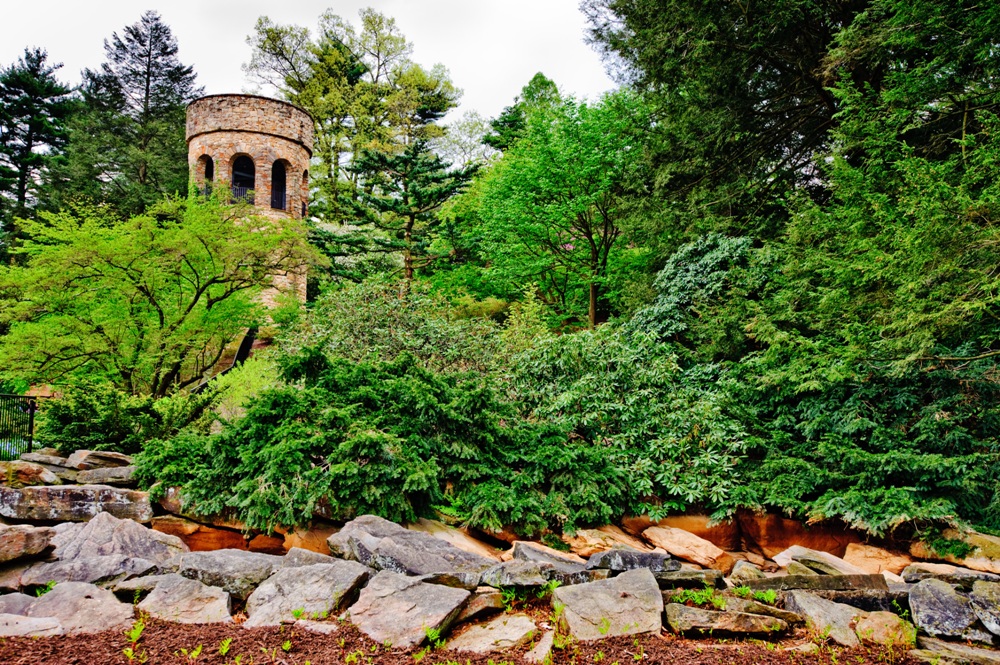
point(205, 174)
point(243, 178)
point(305, 191)
point(278, 192)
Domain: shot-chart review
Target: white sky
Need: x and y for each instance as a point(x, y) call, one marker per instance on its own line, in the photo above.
point(491, 47)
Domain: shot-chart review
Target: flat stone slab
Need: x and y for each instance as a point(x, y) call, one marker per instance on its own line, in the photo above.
point(744, 571)
point(542, 650)
point(886, 629)
point(620, 559)
point(181, 600)
point(869, 600)
point(822, 562)
point(691, 579)
point(963, 577)
point(939, 652)
point(100, 570)
point(516, 573)
point(74, 503)
point(23, 540)
point(689, 547)
point(398, 609)
point(985, 599)
point(826, 617)
point(694, 621)
point(320, 589)
point(16, 625)
point(236, 571)
point(19, 474)
point(505, 632)
point(822, 582)
point(120, 476)
point(82, 608)
point(624, 605)
point(83, 460)
point(300, 557)
point(484, 600)
point(746, 606)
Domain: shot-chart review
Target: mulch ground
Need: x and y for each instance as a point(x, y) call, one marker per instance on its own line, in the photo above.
point(163, 642)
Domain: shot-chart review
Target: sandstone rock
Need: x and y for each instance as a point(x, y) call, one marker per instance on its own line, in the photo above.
point(886, 629)
point(20, 541)
point(940, 611)
point(873, 560)
point(73, 503)
point(82, 608)
point(985, 599)
point(83, 460)
point(317, 589)
point(455, 537)
point(747, 606)
point(985, 554)
point(312, 539)
point(689, 547)
point(796, 568)
point(10, 575)
point(318, 627)
point(772, 534)
point(691, 579)
point(235, 571)
point(199, 537)
point(694, 621)
point(121, 476)
point(181, 600)
point(457, 580)
point(301, 557)
point(266, 544)
point(397, 609)
point(15, 625)
point(15, 603)
point(52, 463)
point(725, 534)
point(939, 652)
point(529, 551)
point(541, 652)
point(173, 502)
point(99, 570)
point(516, 573)
point(745, 571)
point(624, 605)
point(826, 617)
point(504, 632)
point(106, 535)
point(484, 600)
point(963, 577)
point(822, 562)
point(587, 542)
point(19, 474)
point(620, 559)
point(827, 582)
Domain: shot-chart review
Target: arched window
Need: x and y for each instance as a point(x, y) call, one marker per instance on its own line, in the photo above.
point(305, 191)
point(205, 174)
point(243, 178)
point(278, 191)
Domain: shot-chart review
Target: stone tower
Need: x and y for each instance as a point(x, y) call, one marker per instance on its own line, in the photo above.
point(259, 148)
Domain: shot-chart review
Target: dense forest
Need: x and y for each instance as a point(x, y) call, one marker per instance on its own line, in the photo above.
point(761, 274)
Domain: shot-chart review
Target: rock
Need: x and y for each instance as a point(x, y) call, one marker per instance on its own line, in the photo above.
point(516, 573)
point(399, 610)
point(588, 542)
point(624, 605)
point(985, 554)
point(173, 502)
point(181, 600)
point(106, 535)
point(320, 589)
point(99, 570)
point(455, 537)
point(83, 460)
point(940, 611)
point(52, 463)
point(620, 559)
point(199, 537)
point(266, 544)
point(691, 579)
point(301, 557)
point(747, 606)
point(723, 534)
point(318, 627)
point(985, 599)
point(121, 476)
point(822, 562)
point(528, 551)
point(22, 540)
point(10, 575)
point(870, 600)
point(698, 622)
point(796, 568)
point(745, 571)
point(82, 608)
point(825, 617)
point(19, 474)
point(963, 577)
point(875, 559)
point(73, 503)
point(938, 652)
point(312, 539)
point(772, 534)
point(505, 632)
point(689, 547)
point(828, 582)
point(132, 589)
point(886, 629)
point(235, 571)
point(808, 649)
point(15, 625)
point(15, 603)
point(542, 651)
point(467, 581)
point(484, 600)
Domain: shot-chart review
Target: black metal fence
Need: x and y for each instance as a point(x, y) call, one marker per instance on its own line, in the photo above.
point(278, 199)
point(17, 425)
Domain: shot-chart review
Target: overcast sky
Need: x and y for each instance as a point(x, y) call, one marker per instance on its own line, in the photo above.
point(491, 47)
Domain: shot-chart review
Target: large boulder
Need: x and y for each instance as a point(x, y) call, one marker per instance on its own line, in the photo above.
point(199, 537)
point(73, 503)
point(724, 534)
point(620, 559)
point(99, 570)
point(18, 542)
point(235, 571)
point(300, 557)
point(941, 611)
point(886, 629)
point(455, 537)
point(317, 589)
point(508, 631)
point(50, 462)
point(624, 605)
point(19, 474)
point(587, 542)
point(984, 552)
point(15, 603)
point(823, 563)
point(107, 535)
point(517, 573)
point(484, 600)
point(694, 621)
point(744, 571)
point(83, 460)
point(401, 610)
point(771, 534)
point(826, 617)
point(874, 560)
point(82, 608)
point(566, 568)
point(689, 547)
point(119, 476)
point(181, 600)
point(985, 600)
point(16, 625)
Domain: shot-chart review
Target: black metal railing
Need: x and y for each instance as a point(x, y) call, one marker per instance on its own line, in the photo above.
point(278, 199)
point(243, 194)
point(17, 425)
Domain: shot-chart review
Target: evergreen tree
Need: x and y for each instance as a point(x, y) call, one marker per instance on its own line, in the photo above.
point(511, 124)
point(128, 149)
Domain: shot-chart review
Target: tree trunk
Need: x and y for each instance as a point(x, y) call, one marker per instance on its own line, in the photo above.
point(592, 315)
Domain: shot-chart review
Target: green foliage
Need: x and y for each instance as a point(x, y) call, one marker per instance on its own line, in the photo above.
point(708, 596)
point(943, 547)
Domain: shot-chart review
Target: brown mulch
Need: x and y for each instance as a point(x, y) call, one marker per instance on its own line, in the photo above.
point(163, 642)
